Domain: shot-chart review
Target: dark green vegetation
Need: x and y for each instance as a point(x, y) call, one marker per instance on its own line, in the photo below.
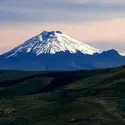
point(63, 98)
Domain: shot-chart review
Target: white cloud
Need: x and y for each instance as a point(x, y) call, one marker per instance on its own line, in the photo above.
point(123, 54)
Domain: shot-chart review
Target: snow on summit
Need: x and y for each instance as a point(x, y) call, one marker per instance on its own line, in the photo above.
point(53, 42)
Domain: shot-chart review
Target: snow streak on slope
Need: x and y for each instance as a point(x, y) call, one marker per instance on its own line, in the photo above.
point(53, 42)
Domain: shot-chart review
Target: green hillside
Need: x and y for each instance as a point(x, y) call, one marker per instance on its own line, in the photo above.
point(94, 97)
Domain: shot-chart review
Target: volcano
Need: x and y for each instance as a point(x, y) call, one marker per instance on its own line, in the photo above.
point(54, 50)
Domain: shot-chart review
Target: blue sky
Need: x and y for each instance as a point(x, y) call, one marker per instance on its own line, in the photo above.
point(94, 18)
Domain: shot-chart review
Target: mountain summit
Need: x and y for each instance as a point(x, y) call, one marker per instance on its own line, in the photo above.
point(53, 42)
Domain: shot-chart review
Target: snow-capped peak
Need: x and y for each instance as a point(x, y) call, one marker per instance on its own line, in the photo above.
point(53, 42)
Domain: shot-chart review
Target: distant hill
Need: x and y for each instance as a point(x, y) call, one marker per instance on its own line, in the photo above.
point(83, 97)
